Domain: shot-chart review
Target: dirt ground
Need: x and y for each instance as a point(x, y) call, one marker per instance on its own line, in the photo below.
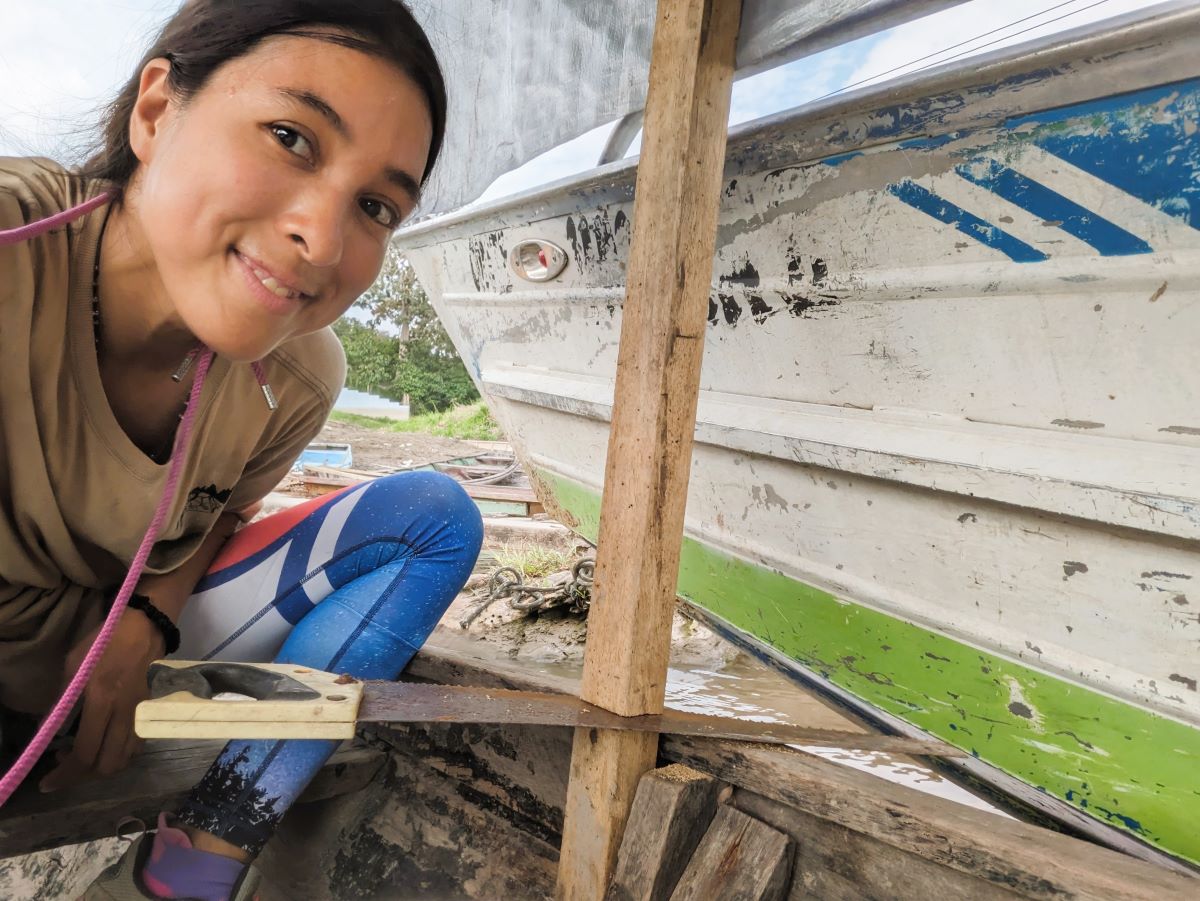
point(374, 448)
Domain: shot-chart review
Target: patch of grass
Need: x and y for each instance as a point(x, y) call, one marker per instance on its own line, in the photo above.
point(531, 560)
point(466, 422)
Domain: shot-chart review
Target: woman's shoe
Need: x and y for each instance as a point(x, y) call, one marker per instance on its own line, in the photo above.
point(122, 881)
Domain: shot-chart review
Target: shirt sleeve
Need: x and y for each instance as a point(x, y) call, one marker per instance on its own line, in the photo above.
point(268, 467)
point(318, 362)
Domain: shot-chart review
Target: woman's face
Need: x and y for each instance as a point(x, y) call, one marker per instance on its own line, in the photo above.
point(267, 201)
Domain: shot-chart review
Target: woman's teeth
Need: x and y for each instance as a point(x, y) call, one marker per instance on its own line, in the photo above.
point(275, 288)
point(271, 283)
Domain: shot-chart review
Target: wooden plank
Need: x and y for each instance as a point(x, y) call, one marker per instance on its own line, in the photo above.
point(501, 493)
point(337, 474)
point(649, 455)
point(834, 863)
point(671, 811)
point(1027, 860)
point(160, 778)
point(329, 475)
point(739, 859)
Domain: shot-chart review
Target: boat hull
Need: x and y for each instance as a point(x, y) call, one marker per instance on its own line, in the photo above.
point(947, 441)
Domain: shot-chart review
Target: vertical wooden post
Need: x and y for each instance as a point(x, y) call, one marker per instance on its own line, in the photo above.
point(654, 414)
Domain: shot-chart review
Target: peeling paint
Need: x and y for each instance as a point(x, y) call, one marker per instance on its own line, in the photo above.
point(800, 306)
point(1019, 705)
point(1071, 567)
point(597, 238)
point(1187, 681)
point(730, 308)
point(489, 262)
point(769, 497)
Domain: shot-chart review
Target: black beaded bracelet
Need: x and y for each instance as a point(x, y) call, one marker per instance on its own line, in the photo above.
point(162, 622)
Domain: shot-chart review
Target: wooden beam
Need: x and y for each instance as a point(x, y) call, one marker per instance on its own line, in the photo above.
point(997, 851)
point(671, 812)
point(739, 859)
point(669, 277)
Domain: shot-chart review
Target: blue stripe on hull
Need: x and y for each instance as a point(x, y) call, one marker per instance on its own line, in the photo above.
point(969, 224)
point(1106, 237)
point(1141, 144)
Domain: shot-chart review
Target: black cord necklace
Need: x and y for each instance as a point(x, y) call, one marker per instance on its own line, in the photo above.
point(163, 453)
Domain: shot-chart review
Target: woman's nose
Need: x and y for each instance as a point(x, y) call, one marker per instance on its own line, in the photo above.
point(316, 223)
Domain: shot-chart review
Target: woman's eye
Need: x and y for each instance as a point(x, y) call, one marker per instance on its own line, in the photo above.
point(381, 212)
point(292, 139)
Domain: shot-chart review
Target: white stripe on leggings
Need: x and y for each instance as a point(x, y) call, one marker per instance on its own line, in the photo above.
point(318, 587)
point(211, 616)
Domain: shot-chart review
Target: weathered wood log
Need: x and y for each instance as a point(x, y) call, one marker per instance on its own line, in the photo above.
point(159, 779)
point(739, 859)
point(671, 811)
point(835, 863)
point(1029, 861)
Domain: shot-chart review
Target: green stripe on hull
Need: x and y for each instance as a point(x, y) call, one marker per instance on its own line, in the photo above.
point(1121, 764)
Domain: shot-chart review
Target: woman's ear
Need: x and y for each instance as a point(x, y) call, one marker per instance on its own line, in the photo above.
point(153, 109)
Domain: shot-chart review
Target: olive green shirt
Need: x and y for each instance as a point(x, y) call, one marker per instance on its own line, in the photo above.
point(76, 495)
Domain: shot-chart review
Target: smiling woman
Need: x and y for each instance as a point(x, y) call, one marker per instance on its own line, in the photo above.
point(251, 173)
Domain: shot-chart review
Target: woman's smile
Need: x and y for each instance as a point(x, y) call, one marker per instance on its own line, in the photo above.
point(278, 296)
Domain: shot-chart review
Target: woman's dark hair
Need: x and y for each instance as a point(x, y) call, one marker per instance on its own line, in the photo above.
point(206, 34)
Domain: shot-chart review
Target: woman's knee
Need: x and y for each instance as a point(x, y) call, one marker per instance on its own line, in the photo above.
point(441, 502)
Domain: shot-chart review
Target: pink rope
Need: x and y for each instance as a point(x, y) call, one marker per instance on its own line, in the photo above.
point(34, 229)
point(179, 453)
point(53, 722)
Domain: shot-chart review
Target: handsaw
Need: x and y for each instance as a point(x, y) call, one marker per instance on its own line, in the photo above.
point(192, 700)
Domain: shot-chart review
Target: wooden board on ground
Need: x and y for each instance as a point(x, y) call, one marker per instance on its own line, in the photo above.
point(671, 811)
point(834, 863)
point(319, 480)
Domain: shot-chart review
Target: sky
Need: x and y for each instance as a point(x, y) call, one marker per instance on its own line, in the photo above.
point(60, 60)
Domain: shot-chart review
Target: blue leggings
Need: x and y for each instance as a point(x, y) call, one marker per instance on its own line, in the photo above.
point(352, 582)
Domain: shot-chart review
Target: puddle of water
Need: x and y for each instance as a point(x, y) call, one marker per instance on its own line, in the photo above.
point(749, 690)
point(734, 684)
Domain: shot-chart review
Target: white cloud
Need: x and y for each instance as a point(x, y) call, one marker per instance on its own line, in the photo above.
point(577, 155)
point(60, 61)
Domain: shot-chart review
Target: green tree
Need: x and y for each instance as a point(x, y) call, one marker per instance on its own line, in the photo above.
point(371, 357)
point(396, 301)
point(402, 350)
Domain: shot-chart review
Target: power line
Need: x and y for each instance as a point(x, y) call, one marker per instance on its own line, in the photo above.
point(970, 40)
point(1014, 34)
